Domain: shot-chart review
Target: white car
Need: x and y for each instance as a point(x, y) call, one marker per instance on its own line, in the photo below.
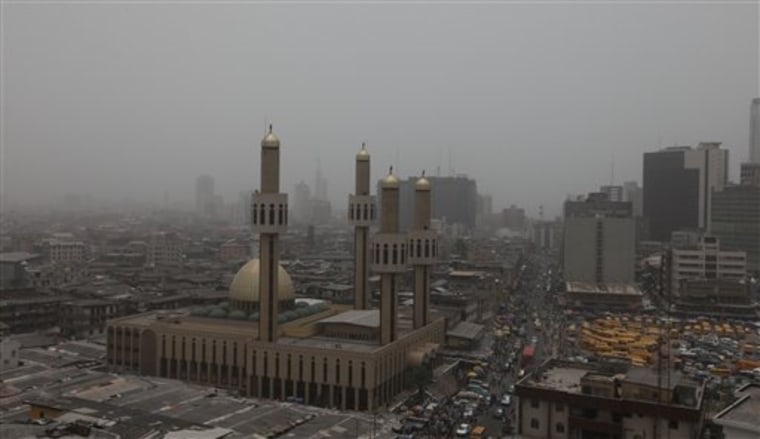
point(463, 430)
point(506, 400)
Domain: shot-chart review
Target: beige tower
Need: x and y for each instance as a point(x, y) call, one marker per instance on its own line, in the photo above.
point(269, 217)
point(423, 250)
point(389, 256)
point(361, 213)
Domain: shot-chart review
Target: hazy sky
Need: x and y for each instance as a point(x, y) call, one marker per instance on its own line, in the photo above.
point(533, 100)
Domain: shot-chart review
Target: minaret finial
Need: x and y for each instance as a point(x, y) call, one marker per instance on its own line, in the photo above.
point(390, 169)
point(364, 145)
point(270, 128)
point(423, 173)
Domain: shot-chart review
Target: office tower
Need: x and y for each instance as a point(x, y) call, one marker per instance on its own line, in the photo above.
point(599, 241)
point(423, 250)
point(736, 216)
point(455, 201)
point(204, 195)
point(389, 256)
point(632, 193)
point(614, 193)
point(301, 202)
point(320, 185)
point(754, 131)
point(361, 213)
point(270, 218)
point(678, 185)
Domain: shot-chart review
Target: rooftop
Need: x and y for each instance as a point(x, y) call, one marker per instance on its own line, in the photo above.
point(743, 413)
point(466, 330)
point(605, 288)
point(17, 256)
point(366, 318)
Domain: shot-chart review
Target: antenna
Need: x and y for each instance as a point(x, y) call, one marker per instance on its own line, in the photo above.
point(612, 170)
point(451, 165)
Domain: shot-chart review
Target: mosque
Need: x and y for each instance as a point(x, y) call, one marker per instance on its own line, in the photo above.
point(266, 343)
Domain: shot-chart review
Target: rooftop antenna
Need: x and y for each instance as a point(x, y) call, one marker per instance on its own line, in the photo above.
point(451, 165)
point(612, 170)
point(396, 161)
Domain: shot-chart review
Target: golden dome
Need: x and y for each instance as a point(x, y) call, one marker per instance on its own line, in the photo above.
point(423, 184)
point(390, 181)
point(363, 154)
point(245, 285)
point(270, 140)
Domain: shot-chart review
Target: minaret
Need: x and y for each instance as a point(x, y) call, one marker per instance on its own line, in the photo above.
point(270, 218)
point(423, 250)
point(361, 213)
point(389, 256)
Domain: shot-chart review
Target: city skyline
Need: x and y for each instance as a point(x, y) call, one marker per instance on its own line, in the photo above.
point(543, 91)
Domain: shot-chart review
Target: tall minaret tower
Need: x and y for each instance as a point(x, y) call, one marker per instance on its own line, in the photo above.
point(423, 250)
point(361, 213)
point(269, 216)
point(389, 256)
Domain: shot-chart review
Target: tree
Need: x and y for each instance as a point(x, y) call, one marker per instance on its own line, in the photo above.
point(460, 248)
point(420, 377)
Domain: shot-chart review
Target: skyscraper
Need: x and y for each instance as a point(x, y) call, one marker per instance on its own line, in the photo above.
point(204, 195)
point(632, 193)
point(301, 203)
point(678, 185)
point(614, 192)
point(754, 131)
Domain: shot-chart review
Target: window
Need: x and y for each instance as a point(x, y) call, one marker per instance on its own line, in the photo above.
point(559, 427)
point(534, 423)
point(534, 403)
point(673, 425)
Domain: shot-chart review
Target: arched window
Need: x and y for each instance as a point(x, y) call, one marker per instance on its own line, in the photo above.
point(534, 423)
point(395, 254)
point(560, 427)
point(271, 215)
point(262, 213)
point(385, 254)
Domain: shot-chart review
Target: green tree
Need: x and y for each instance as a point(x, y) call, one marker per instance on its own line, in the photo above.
point(460, 248)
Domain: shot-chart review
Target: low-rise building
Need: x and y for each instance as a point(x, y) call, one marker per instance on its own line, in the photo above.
point(606, 401)
point(740, 419)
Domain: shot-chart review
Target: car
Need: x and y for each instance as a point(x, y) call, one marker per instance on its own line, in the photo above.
point(468, 413)
point(498, 413)
point(463, 430)
point(521, 373)
point(506, 400)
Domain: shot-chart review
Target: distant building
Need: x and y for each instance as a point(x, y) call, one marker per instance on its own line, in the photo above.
point(8, 353)
point(597, 400)
point(455, 200)
point(546, 234)
point(87, 317)
point(204, 195)
point(705, 270)
point(633, 193)
point(233, 251)
point(513, 218)
point(599, 241)
point(678, 185)
point(13, 274)
point(66, 252)
point(750, 174)
point(165, 251)
point(614, 193)
point(754, 131)
point(301, 203)
point(736, 221)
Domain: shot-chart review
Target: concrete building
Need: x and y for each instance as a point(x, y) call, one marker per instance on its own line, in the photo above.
point(754, 131)
point(599, 241)
point(65, 252)
point(88, 317)
point(13, 269)
point(164, 251)
point(740, 419)
point(678, 185)
point(546, 234)
point(265, 343)
point(704, 262)
point(736, 221)
point(614, 192)
point(750, 174)
point(578, 400)
point(301, 203)
point(513, 218)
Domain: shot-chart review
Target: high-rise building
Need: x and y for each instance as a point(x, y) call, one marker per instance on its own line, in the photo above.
point(599, 241)
point(164, 251)
point(204, 195)
point(301, 202)
point(632, 193)
point(736, 216)
point(455, 201)
point(513, 217)
point(320, 185)
point(614, 192)
point(754, 131)
point(678, 185)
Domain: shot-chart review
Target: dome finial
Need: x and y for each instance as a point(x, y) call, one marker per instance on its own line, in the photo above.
point(270, 128)
point(390, 170)
point(423, 173)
